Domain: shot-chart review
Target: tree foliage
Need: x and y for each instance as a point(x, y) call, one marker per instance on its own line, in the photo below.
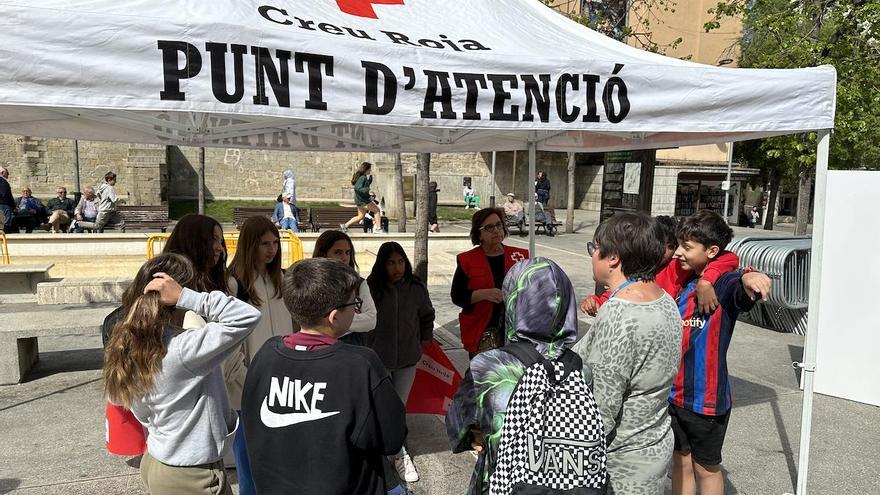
point(806, 33)
point(802, 33)
point(631, 20)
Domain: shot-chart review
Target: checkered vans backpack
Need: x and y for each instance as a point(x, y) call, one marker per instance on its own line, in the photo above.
point(552, 441)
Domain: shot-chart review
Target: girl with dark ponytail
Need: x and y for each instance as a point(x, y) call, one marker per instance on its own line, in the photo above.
point(362, 180)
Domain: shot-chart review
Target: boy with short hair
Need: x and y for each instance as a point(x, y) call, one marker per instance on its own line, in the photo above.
point(319, 414)
point(700, 398)
point(107, 203)
point(672, 280)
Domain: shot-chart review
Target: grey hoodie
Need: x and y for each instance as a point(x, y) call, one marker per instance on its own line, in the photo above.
point(107, 198)
point(187, 414)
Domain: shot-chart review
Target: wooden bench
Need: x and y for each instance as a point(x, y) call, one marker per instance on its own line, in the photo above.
point(550, 228)
point(142, 217)
point(242, 213)
point(19, 350)
point(322, 218)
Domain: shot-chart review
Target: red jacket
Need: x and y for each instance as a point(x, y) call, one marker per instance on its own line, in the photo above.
point(475, 265)
point(671, 278)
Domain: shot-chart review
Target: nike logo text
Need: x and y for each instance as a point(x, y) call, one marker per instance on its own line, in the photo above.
point(293, 394)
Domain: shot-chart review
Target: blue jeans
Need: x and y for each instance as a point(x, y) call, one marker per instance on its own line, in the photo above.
point(242, 464)
point(289, 224)
point(543, 196)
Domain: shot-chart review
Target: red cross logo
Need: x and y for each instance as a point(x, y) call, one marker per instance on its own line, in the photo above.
point(364, 8)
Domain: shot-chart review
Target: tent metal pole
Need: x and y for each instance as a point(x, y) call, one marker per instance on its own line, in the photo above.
point(76, 178)
point(727, 189)
point(531, 193)
point(492, 191)
point(808, 366)
point(201, 181)
point(513, 174)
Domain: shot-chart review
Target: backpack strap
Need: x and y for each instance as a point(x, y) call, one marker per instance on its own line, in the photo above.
point(572, 362)
point(110, 322)
point(524, 351)
point(240, 292)
point(528, 355)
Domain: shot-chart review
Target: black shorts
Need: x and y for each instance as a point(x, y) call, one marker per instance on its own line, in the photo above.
point(702, 435)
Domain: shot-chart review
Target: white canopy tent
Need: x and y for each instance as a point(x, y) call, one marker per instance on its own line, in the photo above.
point(383, 76)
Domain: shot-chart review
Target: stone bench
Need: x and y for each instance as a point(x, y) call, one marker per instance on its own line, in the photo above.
point(19, 350)
point(82, 290)
point(18, 283)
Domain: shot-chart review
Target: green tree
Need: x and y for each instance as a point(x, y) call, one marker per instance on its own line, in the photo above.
point(805, 33)
point(621, 19)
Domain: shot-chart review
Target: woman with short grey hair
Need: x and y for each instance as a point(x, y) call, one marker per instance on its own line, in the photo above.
point(633, 350)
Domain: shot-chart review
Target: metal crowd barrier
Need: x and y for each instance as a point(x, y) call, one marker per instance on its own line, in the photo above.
point(4, 248)
point(786, 260)
point(291, 246)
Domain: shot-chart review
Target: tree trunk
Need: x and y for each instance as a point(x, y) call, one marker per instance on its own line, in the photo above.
point(569, 219)
point(398, 188)
point(775, 181)
point(805, 186)
point(420, 251)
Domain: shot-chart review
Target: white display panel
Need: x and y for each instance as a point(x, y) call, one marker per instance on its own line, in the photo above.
point(848, 345)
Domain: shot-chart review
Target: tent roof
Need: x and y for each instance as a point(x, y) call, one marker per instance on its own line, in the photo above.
point(373, 75)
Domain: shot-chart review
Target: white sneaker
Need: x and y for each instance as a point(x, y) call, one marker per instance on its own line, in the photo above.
point(378, 231)
point(406, 469)
point(343, 228)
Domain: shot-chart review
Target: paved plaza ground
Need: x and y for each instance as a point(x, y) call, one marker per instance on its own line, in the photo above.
point(52, 426)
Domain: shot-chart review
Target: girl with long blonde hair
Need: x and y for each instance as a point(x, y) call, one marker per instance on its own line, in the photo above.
point(171, 378)
point(255, 278)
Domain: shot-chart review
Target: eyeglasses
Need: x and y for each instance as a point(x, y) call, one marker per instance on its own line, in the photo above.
point(357, 303)
point(592, 247)
point(491, 227)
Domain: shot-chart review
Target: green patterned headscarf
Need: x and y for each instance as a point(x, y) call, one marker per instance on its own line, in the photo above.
point(540, 306)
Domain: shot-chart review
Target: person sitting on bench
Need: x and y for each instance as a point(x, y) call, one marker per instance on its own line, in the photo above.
point(513, 210)
point(86, 211)
point(471, 200)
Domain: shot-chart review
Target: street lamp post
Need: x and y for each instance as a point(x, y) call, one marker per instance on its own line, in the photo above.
point(726, 185)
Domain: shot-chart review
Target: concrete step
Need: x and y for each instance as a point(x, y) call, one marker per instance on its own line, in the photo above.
point(18, 283)
point(82, 290)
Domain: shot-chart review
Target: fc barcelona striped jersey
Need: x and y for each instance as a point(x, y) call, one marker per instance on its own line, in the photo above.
point(702, 384)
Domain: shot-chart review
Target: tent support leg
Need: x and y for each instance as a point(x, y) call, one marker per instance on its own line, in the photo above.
point(808, 366)
point(76, 178)
point(201, 180)
point(492, 190)
point(531, 193)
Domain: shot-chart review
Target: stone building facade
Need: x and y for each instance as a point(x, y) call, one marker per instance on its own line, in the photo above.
point(45, 164)
point(153, 174)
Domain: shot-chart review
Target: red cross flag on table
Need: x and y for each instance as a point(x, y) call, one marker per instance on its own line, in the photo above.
point(435, 383)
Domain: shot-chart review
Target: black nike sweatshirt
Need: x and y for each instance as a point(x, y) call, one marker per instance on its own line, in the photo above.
point(318, 422)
